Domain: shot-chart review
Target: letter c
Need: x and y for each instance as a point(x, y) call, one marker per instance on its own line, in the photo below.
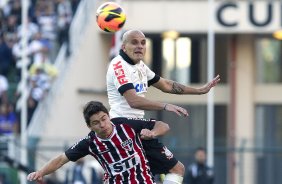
point(219, 15)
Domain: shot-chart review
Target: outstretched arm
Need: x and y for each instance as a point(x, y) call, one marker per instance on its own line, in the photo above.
point(50, 167)
point(139, 102)
point(173, 87)
point(159, 129)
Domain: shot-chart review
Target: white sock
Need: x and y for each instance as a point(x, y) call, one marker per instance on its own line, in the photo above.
point(173, 178)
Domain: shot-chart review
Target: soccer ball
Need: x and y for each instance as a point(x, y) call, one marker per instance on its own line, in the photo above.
point(110, 17)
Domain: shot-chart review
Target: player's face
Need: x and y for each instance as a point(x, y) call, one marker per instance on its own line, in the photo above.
point(135, 46)
point(200, 156)
point(101, 124)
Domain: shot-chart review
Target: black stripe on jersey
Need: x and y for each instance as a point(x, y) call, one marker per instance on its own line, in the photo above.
point(111, 145)
point(104, 166)
point(154, 80)
point(126, 177)
point(125, 87)
point(140, 177)
point(94, 148)
point(139, 143)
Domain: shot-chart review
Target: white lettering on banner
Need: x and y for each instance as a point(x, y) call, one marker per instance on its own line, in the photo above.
point(125, 164)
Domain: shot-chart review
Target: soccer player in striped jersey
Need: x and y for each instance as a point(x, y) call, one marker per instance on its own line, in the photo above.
point(117, 147)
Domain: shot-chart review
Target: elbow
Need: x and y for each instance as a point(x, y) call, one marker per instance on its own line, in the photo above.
point(134, 104)
point(166, 127)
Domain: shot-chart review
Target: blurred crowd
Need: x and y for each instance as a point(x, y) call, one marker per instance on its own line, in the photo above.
point(47, 29)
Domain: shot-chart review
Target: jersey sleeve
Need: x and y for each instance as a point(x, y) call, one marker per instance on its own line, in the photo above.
point(152, 77)
point(121, 76)
point(154, 80)
point(136, 123)
point(78, 150)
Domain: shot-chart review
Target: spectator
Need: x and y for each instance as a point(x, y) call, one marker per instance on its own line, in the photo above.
point(82, 173)
point(46, 19)
point(6, 56)
point(32, 29)
point(64, 13)
point(52, 179)
point(77, 175)
point(199, 172)
point(74, 5)
point(4, 85)
point(39, 86)
point(11, 27)
point(8, 121)
point(16, 10)
point(46, 66)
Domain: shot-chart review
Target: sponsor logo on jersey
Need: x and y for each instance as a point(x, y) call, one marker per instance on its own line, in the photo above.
point(167, 153)
point(140, 87)
point(119, 73)
point(125, 164)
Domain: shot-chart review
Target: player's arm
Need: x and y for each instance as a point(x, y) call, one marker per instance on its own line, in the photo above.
point(50, 167)
point(139, 102)
point(160, 128)
point(169, 86)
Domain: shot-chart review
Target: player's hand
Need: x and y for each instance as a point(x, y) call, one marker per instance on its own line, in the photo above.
point(35, 176)
point(206, 88)
point(180, 111)
point(147, 134)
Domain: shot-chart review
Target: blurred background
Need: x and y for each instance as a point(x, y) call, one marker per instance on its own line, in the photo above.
point(53, 59)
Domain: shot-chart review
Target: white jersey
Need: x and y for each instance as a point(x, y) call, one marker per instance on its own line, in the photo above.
point(123, 75)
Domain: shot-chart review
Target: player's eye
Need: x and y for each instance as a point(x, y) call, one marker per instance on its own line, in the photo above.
point(93, 123)
point(134, 42)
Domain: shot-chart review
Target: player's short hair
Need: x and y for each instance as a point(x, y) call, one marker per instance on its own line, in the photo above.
point(200, 149)
point(93, 107)
point(127, 33)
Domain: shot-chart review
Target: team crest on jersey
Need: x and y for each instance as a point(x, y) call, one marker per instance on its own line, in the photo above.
point(127, 145)
point(140, 75)
point(167, 153)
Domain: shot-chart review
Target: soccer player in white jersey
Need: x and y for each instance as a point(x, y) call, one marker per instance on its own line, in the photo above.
point(117, 147)
point(128, 79)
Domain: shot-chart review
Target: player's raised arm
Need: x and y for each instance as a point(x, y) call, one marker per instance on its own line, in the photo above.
point(169, 86)
point(50, 167)
point(139, 102)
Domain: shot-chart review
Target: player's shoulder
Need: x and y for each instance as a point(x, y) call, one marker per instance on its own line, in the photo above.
point(117, 60)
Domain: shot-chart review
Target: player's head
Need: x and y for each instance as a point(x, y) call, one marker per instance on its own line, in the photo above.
point(200, 155)
point(134, 45)
point(91, 108)
point(97, 118)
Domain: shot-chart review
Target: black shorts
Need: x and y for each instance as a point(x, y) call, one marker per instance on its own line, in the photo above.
point(161, 160)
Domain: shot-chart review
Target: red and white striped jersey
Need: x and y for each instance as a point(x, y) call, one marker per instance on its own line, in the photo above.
point(121, 154)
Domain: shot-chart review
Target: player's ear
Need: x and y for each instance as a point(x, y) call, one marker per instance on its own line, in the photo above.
point(88, 125)
point(123, 48)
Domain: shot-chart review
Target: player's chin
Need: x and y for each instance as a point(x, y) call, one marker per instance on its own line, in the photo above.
point(139, 56)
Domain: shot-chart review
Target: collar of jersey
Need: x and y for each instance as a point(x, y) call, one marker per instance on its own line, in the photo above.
point(125, 57)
